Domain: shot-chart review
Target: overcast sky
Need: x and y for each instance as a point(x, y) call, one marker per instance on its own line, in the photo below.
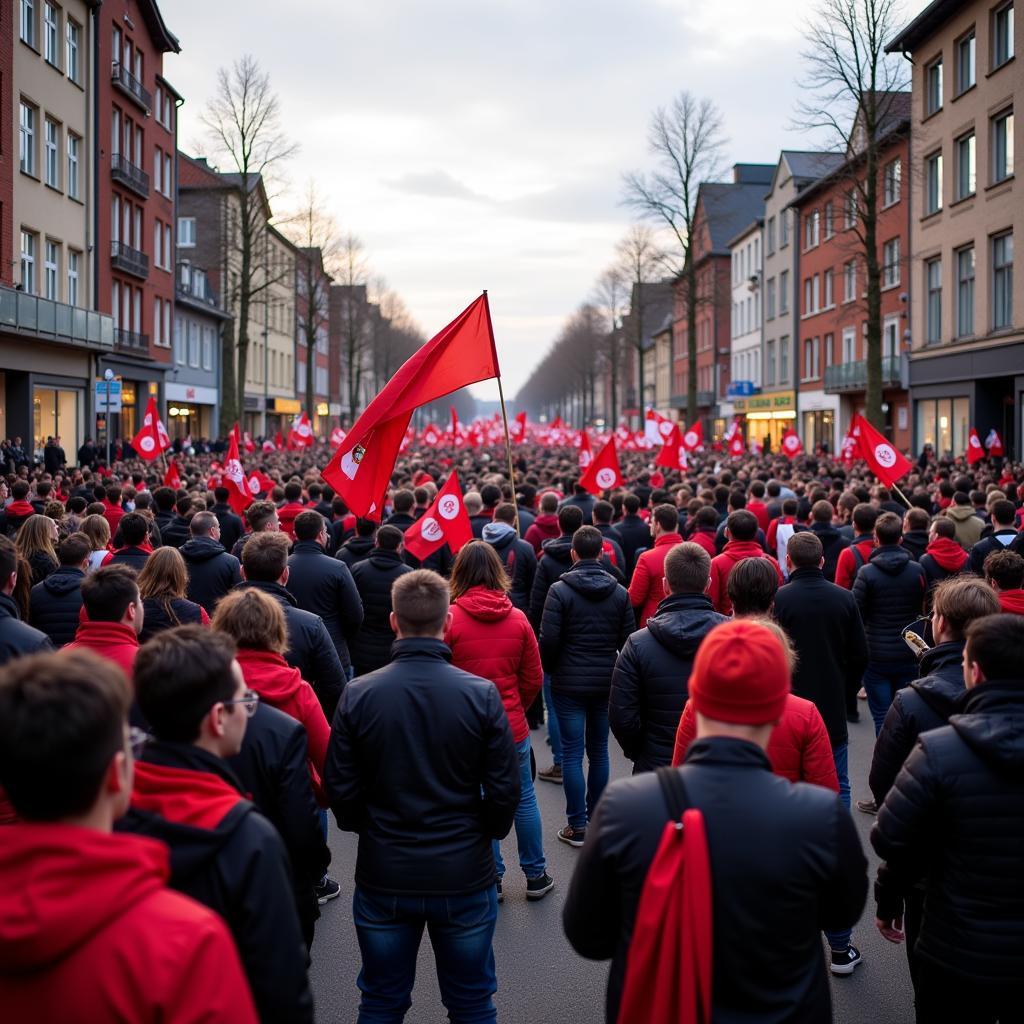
point(480, 143)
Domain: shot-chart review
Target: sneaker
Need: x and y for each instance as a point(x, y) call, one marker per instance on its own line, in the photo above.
point(552, 774)
point(844, 961)
point(572, 836)
point(501, 895)
point(867, 806)
point(327, 889)
point(538, 888)
point(862, 694)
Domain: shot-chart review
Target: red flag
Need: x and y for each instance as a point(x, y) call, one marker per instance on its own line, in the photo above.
point(669, 454)
point(337, 436)
point(260, 483)
point(462, 354)
point(791, 443)
point(885, 462)
point(848, 449)
point(519, 432)
point(694, 437)
point(975, 452)
point(300, 435)
point(445, 522)
point(586, 452)
point(152, 439)
point(278, 440)
point(736, 445)
point(603, 473)
point(234, 479)
point(172, 478)
point(250, 444)
point(431, 436)
point(994, 443)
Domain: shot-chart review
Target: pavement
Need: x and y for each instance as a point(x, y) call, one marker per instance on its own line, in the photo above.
point(541, 980)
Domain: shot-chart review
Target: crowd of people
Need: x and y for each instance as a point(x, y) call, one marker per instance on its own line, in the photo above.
point(186, 693)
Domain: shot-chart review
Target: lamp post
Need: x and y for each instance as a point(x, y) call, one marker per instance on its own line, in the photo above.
point(108, 376)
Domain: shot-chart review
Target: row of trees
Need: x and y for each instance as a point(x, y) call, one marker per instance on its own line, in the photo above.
point(850, 90)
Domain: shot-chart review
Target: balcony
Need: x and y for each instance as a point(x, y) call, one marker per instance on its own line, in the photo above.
point(126, 173)
point(36, 317)
point(131, 261)
point(705, 399)
point(131, 341)
point(854, 376)
point(192, 283)
point(124, 80)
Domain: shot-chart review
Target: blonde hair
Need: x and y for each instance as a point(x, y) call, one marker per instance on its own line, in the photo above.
point(36, 537)
point(252, 619)
point(97, 530)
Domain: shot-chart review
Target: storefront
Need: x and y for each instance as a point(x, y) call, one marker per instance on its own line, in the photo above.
point(191, 411)
point(281, 413)
point(57, 411)
point(766, 417)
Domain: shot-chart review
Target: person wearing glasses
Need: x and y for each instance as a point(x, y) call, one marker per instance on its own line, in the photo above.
point(224, 852)
point(123, 946)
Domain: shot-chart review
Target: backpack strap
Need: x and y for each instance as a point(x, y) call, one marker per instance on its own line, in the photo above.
point(673, 789)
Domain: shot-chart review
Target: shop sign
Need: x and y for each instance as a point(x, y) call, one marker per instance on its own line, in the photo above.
point(777, 401)
point(291, 405)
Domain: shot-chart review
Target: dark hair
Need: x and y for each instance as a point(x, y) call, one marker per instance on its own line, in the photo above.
point(420, 602)
point(757, 489)
point(961, 498)
point(805, 550)
point(76, 504)
point(265, 557)
point(113, 494)
point(888, 528)
point(570, 519)
point(631, 503)
point(258, 514)
point(221, 493)
point(667, 517)
point(20, 490)
point(134, 528)
point(588, 542)
point(366, 527)
point(687, 568)
point(752, 586)
point(108, 592)
point(421, 495)
point(389, 538)
point(403, 501)
point(864, 517)
point(505, 513)
point(74, 550)
point(737, 499)
point(478, 565)
point(790, 506)
point(742, 525)
point(490, 495)
point(292, 490)
point(994, 643)
point(603, 511)
point(1006, 568)
point(1004, 512)
point(707, 518)
point(179, 675)
point(308, 525)
point(916, 519)
point(822, 512)
point(944, 527)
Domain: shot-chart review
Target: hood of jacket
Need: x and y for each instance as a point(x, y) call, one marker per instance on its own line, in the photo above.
point(62, 884)
point(992, 725)
point(947, 553)
point(100, 636)
point(1011, 601)
point(941, 685)
point(275, 590)
point(589, 580)
point(384, 560)
point(682, 621)
point(201, 549)
point(359, 545)
point(547, 522)
point(269, 675)
point(961, 513)
point(891, 559)
point(63, 580)
point(737, 550)
point(826, 533)
point(20, 508)
point(485, 605)
point(558, 549)
point(500, 535)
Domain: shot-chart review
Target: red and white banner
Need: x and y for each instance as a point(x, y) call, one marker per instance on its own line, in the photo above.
point(994, 443)
point(337, 436)
point(885, 462)
point(586, 452)
point(152, 439)
point(791, 443)
point(234, 479)
point(693, 437)
point(445, 522)
point(975, 451)
point(603, 473)
point(300, 435)
point(172, 478)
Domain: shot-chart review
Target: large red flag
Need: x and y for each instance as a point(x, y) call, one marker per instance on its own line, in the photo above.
point(694, 437)
point(975, 452)
point(669, 454)
point(445, 522)
point(152, 438)
point(172, 478)
point(883, 459)
point(603, 473)
point(586, 452)
point(791, 443)
point(260, 483)
point(462, 354)
point(234, 479)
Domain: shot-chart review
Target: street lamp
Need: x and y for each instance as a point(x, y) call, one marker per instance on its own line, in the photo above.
point(108, 376)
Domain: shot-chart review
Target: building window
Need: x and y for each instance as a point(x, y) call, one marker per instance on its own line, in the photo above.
point(179, 345)
point(186, 232)
point(1002, 35)
point(783, 292)
point(158, 244)
point(829, 289)
point(890, 339)
point(891, 263)
point(827, 217)
point(168, 176)
point(73, 264)
point(27, 138)
point(812, 229)
point(769, 363)
point(784, 229)
point(933, 86)
point(72, 48)
point(158, 170)
point(943, 423)
point(965, 166)
point(27, 22)
point(808, 300)
point(74, 148)
point(850, 209)
point(816, 296)
point(770, 241)
point(193, 344)
point(769, 298)
point(891, 175)
point(849, 345)
point(167, 323)
point(209, 336)
point(784, 359)
point(51, 281)
point(51, 34)
point(933, 289)
point(52, 148)
point(965, 65)
point(849, 281)
point(1002, 281)
point(965, 292)
point(1002, 146)
point(933, 182)
point(168, 238)
point(28, 262)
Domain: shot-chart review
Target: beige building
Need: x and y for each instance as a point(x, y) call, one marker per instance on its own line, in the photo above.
point(967, 306)
point(663, 365)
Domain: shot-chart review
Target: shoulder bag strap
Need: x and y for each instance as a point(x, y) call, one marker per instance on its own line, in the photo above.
point(673, 789)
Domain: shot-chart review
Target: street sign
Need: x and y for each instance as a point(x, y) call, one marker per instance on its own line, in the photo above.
point(101, 396)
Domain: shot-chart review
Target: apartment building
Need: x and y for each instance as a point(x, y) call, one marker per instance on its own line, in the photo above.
point(967, 307)
point(745, 341)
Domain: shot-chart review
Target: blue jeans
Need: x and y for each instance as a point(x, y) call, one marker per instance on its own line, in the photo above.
point(841, 755)
point(881, 681)
point(584, 724)
point(527, 820)
point(390, 928)
point(554, 732)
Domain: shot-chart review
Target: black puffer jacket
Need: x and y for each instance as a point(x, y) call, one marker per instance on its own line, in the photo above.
point(587, 619)
point(519, 559)
point(998, 540)
point(915, 541)
point(925, 704)
point(159, 615)
point(56, 603)
point(212, 572)
point(890, 592)
point(632, 534)
point(371, 648)
point(175, 533)
point(231, 525)
point(555, 560)
point(649, 684)
point(955, 816)
point(355, 549)
point(41, 565)
point(16, 637)
point(324, 586)
point(832, 541)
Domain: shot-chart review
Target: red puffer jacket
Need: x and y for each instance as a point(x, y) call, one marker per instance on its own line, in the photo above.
point(494, 640)
point(799, 749)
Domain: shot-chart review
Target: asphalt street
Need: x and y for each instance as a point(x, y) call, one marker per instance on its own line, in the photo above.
point(541, 980)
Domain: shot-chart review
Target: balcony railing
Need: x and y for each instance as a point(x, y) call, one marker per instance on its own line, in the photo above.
point(705, 399)
point(854, 376)
point(193, 283)
point(43, 318)
point(131, 341)
point(130, 260)
point(126, 173)
point(130, 85)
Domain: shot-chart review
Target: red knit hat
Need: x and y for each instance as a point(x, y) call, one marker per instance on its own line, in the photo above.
point(741, 674)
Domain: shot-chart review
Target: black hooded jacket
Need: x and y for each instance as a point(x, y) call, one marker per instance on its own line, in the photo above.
point(520, 561)
point(231, 525)
point(649, 684)
point(915, 541)
point(355, 549)
point(556, 559)
point(132, 556)
point(56, 603)
point(832, 542)
point(890, 591)
point(371, 648)
point(925, 704)
point(587, 619)
point(176, 532)
point(212, 572)
point(632, 534)
point(955, 817)
point(17, 637)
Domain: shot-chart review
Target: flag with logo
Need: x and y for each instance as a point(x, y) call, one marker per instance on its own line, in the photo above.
point(172, 478)
point(603, 473)
point(848, 449)
point(791, 443)
point(882, 458)
point(248, 442)
point(975, 451)
point(300, 434)
point(586, 452)
point(337, 436)
point(260, 483)
point(670, 450)
point(693, 437)
point(519, 428)
point(233, 478)
point(736, 445)
point(431, 436)
point(152, 439)
point(994, 443)
point(445, 522)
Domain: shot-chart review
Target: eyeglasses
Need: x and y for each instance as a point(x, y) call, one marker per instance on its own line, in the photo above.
point(248, 700)
point(137, 740)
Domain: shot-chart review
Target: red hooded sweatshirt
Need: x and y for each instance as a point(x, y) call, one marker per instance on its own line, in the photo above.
point(647, 587)
point(544, 527)
point(760, 510)
point(286, 517)
point(491, 639)
point(722, 565)
point(948, 554)
point(1011, 601)
point(19, 511)
point(113, 515)
point(110, 640)
point(90, 934)
point(283, 687)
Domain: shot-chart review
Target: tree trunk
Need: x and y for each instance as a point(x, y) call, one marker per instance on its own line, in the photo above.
point(613, 402)
point(229, 412)
point(691, 342)
point(244, 303)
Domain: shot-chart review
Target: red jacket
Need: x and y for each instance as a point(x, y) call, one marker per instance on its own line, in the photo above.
point(283, 687)
point(706, 539)
point(948, 554)
point(760, 510)
point(722, 565)
point(286, 517)
point(491, 639)
point(113, 515)
point(1011, 601)
point(647, 588)
point(799, 749)
point(90, 934)
point(544, 527)
point(110, 640)
point(847, 566)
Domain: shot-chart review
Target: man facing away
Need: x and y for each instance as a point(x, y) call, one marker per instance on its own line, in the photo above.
point(425, 854)
point(646, 588)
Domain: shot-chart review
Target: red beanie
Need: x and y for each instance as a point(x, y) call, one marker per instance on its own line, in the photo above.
point(741, 674)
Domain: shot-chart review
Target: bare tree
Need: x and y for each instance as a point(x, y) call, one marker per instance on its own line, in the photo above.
point(853, 90)
point(243, 126)
point(611, 295)
point(640, 258)
point(352, 274)
point(686, 140)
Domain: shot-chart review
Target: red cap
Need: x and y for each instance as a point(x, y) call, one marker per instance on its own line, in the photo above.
point(740, 675)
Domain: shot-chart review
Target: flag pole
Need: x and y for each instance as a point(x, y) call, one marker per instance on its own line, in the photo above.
point(906, 500)
point(508, 443)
